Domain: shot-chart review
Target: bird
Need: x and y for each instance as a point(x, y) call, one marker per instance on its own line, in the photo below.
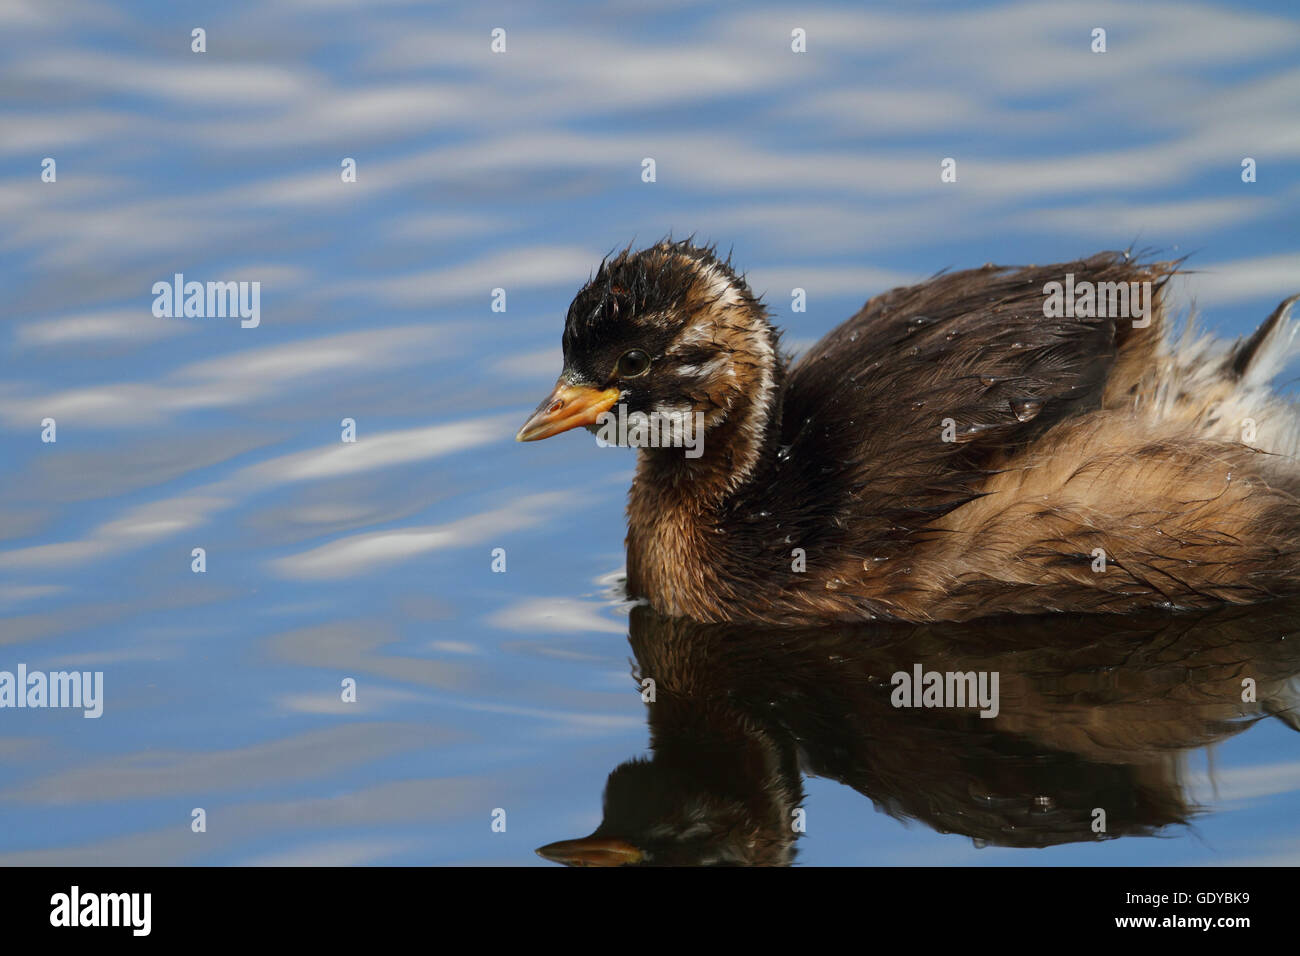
point(965, 447)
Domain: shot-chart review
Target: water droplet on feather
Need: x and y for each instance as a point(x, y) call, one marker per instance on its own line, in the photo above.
point(1026, 408)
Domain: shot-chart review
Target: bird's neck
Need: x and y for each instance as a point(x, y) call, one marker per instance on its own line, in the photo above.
point(676, 542)
point(730, 455)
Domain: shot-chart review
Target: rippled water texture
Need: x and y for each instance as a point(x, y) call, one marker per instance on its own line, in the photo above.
point(510, 697)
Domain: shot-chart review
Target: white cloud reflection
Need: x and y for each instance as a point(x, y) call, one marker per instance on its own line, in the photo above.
point(364, 553)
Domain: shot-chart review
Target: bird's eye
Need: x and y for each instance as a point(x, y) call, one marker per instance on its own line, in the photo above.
point(633, 363)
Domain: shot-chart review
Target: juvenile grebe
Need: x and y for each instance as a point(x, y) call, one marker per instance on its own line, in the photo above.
point(949, 452)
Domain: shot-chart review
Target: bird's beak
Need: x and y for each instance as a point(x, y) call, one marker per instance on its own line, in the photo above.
point(591, 851)
point(568, 406)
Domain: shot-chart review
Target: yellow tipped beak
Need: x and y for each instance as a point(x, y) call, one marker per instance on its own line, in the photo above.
point(568, 406)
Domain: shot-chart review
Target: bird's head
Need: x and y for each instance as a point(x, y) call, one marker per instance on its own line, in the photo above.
point(670, 331)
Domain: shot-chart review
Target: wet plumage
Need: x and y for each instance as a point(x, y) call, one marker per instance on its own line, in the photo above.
point(947, 453)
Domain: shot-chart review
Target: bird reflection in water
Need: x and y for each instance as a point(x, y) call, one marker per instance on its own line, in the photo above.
point(1095, 712)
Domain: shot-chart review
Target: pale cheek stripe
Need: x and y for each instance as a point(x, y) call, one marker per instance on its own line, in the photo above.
point(697, 334)
point(729, 316)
